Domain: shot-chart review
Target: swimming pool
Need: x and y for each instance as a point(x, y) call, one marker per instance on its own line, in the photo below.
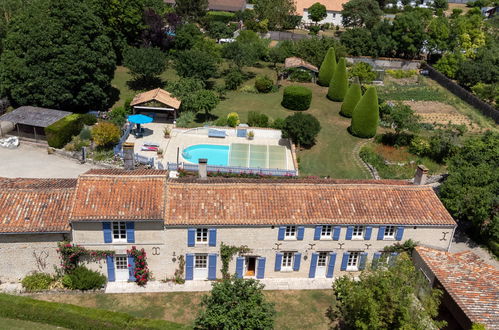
point(216, 154)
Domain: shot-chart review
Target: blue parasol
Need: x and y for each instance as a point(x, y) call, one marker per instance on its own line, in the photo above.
point(139, 119)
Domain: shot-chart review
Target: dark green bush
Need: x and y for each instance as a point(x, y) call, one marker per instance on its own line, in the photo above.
point(82, 278)
point(297, 98)
point(220, 16)
point(301, 128)
point(365, 117)
point(278, 123)
point(299, 75)
point(89, 119)
point(351, 99)
point(257, 119)
point(264, 84)
point(395, 140)
point(118, 116)
point(37, 282)
point(222, 121)
point(60, 132)
point(339, 84)
point(234, 79)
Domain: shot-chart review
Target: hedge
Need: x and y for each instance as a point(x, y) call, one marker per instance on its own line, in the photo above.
point(365, 116)
point(296, 98)
point(339, 84)
point(351, 99)
point(327, 68)
point(61, 132)
point(220, 16)
point(264, 84)
point(74, 317)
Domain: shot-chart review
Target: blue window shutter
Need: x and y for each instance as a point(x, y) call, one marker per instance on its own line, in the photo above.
point(212, 266)
point(191, 236)
point(212, 240)
point(367, 235)
point(300, 233)
point(189, 266)
point(381, 233)
point(313, 265)
point(330, 265)
point(376, 257)
point(260, 270)
point(400, 233)
point(317, 233)
point(130, 232)
point(344, 261)
point(278, 262)
point(349, 233)
point(280, 235)
point(110, 269)
point(336, 233)
point(363, 260)
point(239, 267)
point(297, 261)
point(108, 235)
point(131, 269)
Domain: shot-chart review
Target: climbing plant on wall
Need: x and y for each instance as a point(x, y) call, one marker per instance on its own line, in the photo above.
point(71, 255)
point(227, 252)
point(141, 270)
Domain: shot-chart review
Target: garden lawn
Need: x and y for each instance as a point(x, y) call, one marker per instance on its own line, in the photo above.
point(295, 309)
point(24, 325)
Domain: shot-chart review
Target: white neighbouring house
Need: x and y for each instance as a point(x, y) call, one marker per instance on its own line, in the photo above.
point(333, 7)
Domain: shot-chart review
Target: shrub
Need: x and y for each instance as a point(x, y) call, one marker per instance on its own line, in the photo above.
point(222, 121)
point(399, 74)
point(419, 146)
point(363, 71)
point(89, 119)
point(85, 133)
point(105, 134)
point(339, 84)
point(76, 144)
point(314, 30)
point(296, 98)
point(263, 84)
point(278, 123)
point(234, 79)
point(82, 278)
point(233, 119)
point(60, 132)
point(37, 282)
point(351, 99)
point(327, 68)
point(301, 128)
point(257, 119)
point(185, 118)
point(299, 75)
point(118, 115)
point(220, 16)
point(365, 116)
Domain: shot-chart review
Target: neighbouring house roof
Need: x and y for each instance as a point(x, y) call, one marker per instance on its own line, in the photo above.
point(34, 116)
point(158, 95)
point(35, 205)
point(120, 195)
point(296, 62)
point(331, 5)
point(222, 5)
point(472, 283)
point(276, 203)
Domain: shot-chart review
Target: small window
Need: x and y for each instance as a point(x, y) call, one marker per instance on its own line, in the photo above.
point(321, 261)
point(201, 261)
point(119, 231)
point(290, 232)
point(202, 235)
point(353, 261)
point(326, 231)
point(121, 263)
point(389, 232)
point(287, 261)
point(358, 232)
point(334, 15)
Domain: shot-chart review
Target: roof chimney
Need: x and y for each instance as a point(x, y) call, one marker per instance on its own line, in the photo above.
point(203, 172)
point(420, 177)
point(128, 155)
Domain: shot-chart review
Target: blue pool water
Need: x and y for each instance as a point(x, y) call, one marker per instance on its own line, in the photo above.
point(216, 154)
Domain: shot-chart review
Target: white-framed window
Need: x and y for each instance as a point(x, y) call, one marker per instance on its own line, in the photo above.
point(353, 261)
point(322, 260)
point(290, 232)
point(119, 231)
point(121, 262)
point(201, 235)
point(326, 231)
point(287, 261)
point(201, 261)
point(358, 232)
point(389, 232)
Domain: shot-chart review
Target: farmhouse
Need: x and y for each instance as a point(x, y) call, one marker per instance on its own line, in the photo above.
point(294, 228)
point(333, 9)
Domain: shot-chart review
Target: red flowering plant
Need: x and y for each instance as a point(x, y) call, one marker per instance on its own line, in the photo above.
point(142, 274)
point(71, 255)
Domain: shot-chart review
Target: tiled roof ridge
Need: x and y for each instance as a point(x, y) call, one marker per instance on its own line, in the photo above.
point(296, 181)
point(33, 184)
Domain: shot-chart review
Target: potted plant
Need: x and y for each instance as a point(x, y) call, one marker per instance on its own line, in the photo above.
point(251, 135)
point(166, 132)
point(159, 152)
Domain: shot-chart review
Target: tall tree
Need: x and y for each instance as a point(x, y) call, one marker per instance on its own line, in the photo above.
point(277, 12)
point(196, 64)
point(352, 97)
point(339, 83)
point(57, 56)
point(8, 9)
point(317, 12)
point(145, 63)
point(361, 13)
point(365, 116)
point(409, 32)
point(191, 10)
point(327, 68)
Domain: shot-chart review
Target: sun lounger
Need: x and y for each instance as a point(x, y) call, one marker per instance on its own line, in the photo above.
point(150, 144)
point(146, 148)
point(216, 133)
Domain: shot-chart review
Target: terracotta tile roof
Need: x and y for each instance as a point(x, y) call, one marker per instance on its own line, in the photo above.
point(126, 195)
point(296, 62)
point(277, 203)
point(158, 95)
point(35, 205)
point(472, 283)
point(331, 5)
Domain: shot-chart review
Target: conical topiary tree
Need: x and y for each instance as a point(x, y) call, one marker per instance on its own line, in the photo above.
point(351, 99)
point(365, 116)
point(327, 68)
point(339, 84)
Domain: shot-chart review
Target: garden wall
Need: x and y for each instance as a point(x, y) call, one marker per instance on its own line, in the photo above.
point(385, 63)
point(485, 109)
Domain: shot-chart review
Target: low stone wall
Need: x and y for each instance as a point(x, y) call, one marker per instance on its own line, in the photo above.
point(385, 63)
